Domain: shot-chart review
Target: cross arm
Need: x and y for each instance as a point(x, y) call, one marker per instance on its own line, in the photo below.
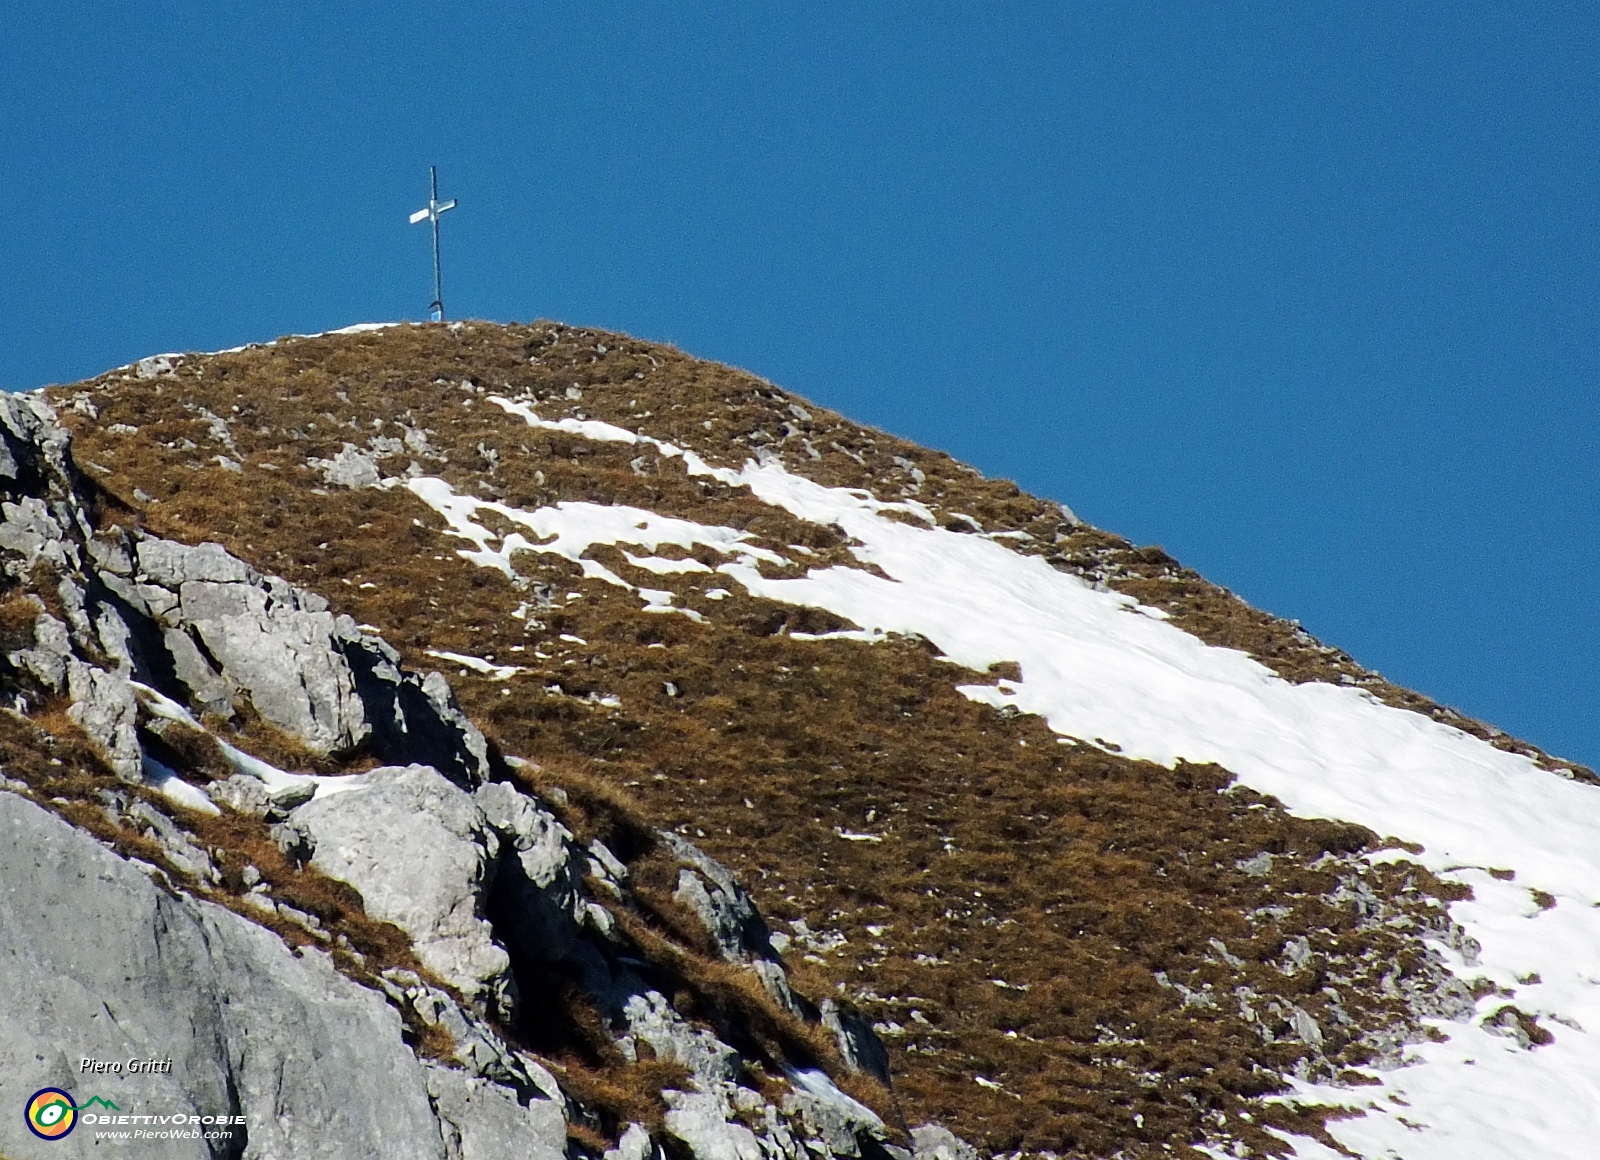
point(432, 211)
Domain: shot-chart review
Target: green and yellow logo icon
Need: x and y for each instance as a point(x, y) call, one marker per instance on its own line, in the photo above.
point(51, 1113)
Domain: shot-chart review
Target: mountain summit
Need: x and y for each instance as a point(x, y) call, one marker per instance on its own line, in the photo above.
point(478, 740)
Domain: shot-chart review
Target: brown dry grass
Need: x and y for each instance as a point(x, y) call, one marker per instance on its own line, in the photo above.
point(19, 612)
point(1069, 874)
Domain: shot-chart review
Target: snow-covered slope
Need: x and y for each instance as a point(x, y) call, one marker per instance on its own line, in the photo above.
point(1103, 670)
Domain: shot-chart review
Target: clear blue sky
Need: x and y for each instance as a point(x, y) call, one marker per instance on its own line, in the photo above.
point(1305, 293)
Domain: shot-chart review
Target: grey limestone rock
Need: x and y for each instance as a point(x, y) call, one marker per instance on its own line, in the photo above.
point(541, 842)
point(267, 637)
point(478, 1048)
point(295, 839)
point(1305, 1026)
point(34, 436)
point(225, 629)
point(839, 1121)
point(171, 565)
point(351, 467)
point(933, 1142)
point(817, 1119)
point(115, 637)
point(156, 600)
point(291, 797)
point(29, 529)
point(177, 846)
point(723, 905)
point(421, 853)
point(776, 981)
point(709, 889)
point(244, 793)
point(539, 889)
point(46, 661)
point(10, 438)
point(633, 1144)
point(606, 868)
point(111, 553)
point(103, 706)
point(34, 458)
point(412, 717)
point(480, 1120)
point(97, 962)
point(155, 366)
point(858, 1042)
point(652, 1020)
point(704, 1122)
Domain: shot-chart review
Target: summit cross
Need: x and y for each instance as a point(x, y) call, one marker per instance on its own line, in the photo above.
point(430, 213)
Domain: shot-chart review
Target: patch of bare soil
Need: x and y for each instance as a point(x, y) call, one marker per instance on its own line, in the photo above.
point(1064, 949)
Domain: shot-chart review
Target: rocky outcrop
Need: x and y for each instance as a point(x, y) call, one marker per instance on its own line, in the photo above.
point(98, 962)
point(145, 640)
point(709, 889)
point(932, 1142)
point(227, 631)
point(228, 627)
point(436, 860)
point(480, 1120)
point(421, 853)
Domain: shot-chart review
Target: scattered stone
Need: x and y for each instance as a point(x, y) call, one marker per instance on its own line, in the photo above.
point(352, 467)
point(242, 794)
point(933, 1142)
point(155, 366)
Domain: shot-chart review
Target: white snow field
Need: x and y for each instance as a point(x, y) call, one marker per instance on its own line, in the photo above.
point(1097, 666)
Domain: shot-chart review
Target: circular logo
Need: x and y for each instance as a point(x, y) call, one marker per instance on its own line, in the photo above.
point(51, 1114)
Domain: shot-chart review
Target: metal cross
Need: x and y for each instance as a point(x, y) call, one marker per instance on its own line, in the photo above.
point(431, 213)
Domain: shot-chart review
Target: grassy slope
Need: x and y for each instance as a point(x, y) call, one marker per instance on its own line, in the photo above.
point(1069, 874)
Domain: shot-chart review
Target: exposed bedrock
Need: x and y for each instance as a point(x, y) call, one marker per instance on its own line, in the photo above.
point(97, 961)
point(420, 852)
point(490, 887)
point(227, 631)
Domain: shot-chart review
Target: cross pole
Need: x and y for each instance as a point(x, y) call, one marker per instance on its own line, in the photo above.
point(431, 213)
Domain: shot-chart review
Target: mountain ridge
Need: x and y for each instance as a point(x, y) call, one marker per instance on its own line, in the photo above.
point(1204, 947)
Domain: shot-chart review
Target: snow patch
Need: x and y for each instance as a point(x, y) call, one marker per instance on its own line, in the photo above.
point(570, 529)
point(275, 779)
point(478, 665)
point(169, 785)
